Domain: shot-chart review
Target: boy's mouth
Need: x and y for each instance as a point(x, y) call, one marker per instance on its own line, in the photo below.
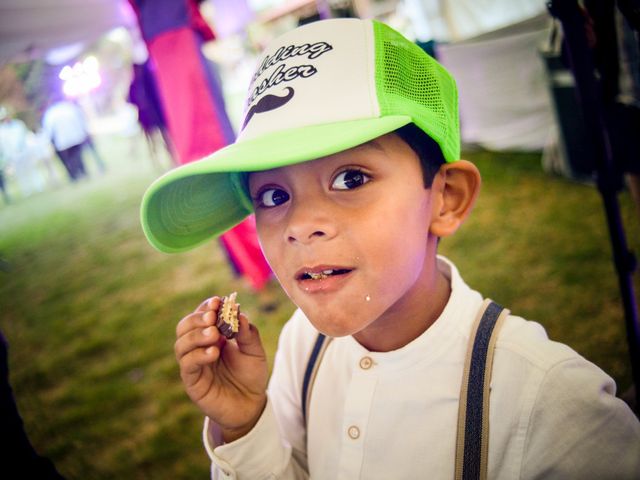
point(317, 274)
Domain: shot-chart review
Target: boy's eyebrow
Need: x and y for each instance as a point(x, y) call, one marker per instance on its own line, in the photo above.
point(370, 144)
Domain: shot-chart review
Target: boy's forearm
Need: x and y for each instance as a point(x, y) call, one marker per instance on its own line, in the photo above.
point(257, 454)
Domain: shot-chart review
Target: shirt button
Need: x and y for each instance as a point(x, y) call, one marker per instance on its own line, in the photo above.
point(354, 432)
point(366, 363)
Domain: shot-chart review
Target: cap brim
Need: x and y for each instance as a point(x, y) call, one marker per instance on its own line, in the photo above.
point(200, 200)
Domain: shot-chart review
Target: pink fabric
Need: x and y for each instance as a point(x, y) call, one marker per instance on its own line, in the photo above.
point(242, 244)
point(191, 114)
point(195, 124)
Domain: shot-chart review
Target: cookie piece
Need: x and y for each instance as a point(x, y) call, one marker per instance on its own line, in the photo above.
point(228, 316)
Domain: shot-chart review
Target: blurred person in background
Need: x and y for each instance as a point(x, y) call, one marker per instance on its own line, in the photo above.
point(3, 164)
point(91, 146)
point(43, 151)
point(17, 156)
point(143, 93)
point(3, 188)
point(63, 123)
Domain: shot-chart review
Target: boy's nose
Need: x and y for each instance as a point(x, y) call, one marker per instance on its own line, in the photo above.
point(300, 236)
point(309, 222)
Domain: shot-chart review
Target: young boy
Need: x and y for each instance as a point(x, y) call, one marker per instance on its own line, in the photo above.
point(349, 158)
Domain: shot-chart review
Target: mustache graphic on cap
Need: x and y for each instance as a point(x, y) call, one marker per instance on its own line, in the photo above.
point(267, 103)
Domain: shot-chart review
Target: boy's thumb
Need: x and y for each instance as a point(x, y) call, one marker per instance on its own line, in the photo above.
point(248, 338)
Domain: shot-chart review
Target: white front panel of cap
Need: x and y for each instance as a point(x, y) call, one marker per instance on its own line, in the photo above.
point(317, 74)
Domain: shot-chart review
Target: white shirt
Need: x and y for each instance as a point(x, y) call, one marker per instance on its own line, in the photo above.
point(553, 414)
point(64, 123)
point(13, 141)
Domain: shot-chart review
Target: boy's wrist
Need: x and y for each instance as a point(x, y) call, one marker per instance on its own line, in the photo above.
point(232, 434)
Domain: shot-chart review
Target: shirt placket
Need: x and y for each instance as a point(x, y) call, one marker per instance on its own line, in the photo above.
point(356, 414)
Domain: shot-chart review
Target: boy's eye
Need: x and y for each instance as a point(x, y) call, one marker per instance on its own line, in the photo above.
point(272, 197)
point(349, 179)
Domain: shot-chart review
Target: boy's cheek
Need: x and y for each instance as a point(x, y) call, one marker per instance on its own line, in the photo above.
point(269, 243)
point(267, 251)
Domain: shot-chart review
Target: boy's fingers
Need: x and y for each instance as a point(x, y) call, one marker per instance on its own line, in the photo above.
point(203, 306)
point(193, 321)
point(209, 304)
point(248, 338)
point(192, 363)
point(198, 337)
point(187, 323)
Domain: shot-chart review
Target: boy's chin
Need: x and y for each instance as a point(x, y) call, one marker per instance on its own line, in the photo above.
point(334, 332)
point(339, 318)
point(333, 327)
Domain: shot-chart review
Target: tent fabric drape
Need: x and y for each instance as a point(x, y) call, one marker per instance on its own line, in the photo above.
point(194, 107)
point(192, 102)
point(503, 87)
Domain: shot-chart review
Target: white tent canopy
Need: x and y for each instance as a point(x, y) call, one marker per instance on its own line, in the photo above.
point(33, 28)
point(491, 47)
point(458, 20)
point(505, 101)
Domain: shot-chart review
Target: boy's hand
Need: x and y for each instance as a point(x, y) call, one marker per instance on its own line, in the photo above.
point(227, 379)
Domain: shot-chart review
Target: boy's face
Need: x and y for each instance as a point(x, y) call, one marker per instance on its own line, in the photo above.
point(348, 237)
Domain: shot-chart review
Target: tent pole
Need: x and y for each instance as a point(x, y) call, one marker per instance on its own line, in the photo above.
point(573, 24)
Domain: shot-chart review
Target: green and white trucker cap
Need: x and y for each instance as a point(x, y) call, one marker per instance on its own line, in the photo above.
point(319, 89)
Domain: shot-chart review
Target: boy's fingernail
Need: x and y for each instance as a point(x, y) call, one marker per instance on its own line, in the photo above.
point(207, 332)
point(208, 317)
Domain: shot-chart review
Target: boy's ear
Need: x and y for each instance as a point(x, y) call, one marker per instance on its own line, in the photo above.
point(454, 192)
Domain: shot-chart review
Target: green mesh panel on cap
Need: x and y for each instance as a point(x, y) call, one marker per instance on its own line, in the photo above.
point(410, 82)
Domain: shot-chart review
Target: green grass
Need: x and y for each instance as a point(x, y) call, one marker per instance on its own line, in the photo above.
point(90, 309)
point(539, 245)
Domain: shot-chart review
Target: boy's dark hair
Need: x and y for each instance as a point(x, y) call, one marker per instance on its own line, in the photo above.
point(428, 151)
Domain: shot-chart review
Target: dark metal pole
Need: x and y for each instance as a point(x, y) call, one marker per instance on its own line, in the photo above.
point(582, 66)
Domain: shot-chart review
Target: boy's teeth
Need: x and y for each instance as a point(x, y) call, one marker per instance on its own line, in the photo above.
point(323, 274)
point(320, 275)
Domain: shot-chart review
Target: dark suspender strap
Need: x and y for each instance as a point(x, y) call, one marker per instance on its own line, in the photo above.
point(472, 445)
point(473, 416)
point(309, 373)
